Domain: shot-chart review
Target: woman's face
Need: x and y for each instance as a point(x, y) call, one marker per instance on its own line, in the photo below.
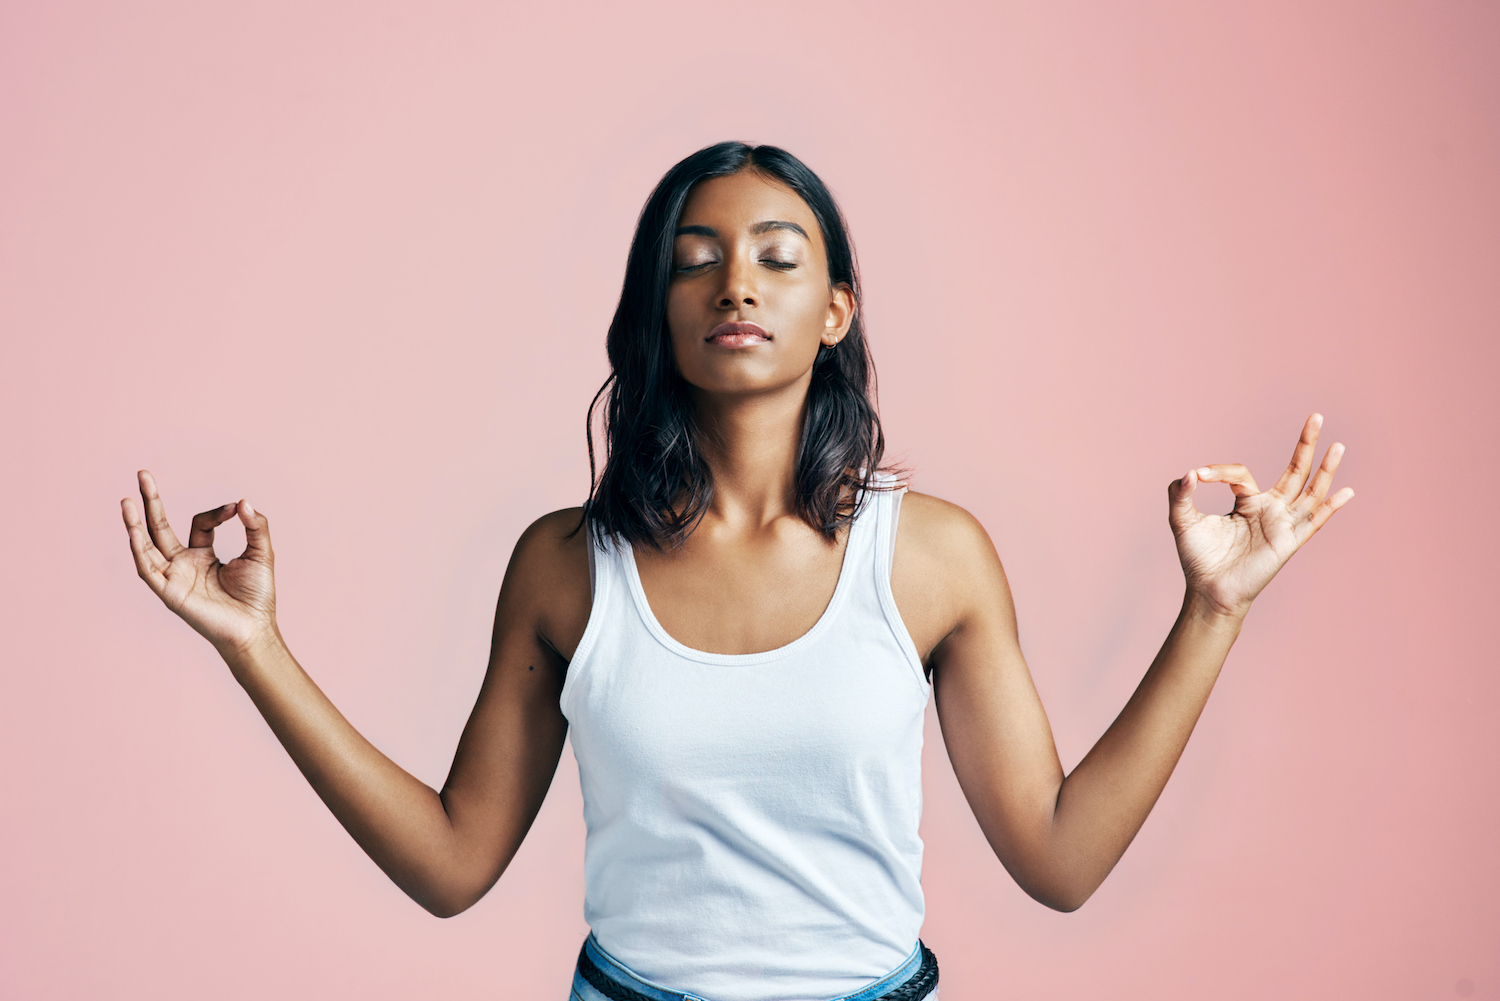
point(750, 302)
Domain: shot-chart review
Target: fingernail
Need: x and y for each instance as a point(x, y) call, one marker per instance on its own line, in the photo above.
point(249, 511)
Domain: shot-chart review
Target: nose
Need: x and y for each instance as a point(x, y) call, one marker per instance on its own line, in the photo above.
point(739, 285)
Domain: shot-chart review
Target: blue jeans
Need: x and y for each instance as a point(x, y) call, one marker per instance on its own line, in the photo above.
point(618, 973)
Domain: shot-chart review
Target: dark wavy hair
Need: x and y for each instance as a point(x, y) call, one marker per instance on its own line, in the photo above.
point(656, 484)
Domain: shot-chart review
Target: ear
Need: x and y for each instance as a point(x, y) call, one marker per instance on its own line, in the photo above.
point(840, 315)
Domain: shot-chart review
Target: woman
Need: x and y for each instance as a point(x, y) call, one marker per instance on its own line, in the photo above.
point(740, 629)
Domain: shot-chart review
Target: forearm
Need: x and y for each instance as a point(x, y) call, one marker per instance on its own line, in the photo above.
point(1104, 801)
point(399, 821)
point(445, 850)
point(1060, 835)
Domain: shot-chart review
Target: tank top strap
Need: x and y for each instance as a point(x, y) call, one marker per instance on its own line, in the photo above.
point(864, 533)
point(886, 513)
point(608, 583)
point(885, 517)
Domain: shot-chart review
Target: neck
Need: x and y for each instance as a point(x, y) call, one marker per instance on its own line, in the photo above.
point(751, 444)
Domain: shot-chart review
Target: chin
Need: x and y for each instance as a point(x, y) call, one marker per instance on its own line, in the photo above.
point(739, 383)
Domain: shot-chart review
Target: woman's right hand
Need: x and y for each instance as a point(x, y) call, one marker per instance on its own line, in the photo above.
point(232, 604)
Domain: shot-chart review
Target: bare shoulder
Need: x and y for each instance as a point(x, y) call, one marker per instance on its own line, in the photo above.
point(547, 581)
point(938, 528)
point(556, 543)
point(945, 569)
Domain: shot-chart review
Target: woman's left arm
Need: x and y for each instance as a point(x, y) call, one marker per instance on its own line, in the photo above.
point(1059, 836)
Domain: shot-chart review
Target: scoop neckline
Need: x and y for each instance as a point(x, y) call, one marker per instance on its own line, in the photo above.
point(654, 626)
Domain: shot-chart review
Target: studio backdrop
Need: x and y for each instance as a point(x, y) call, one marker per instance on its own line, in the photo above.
point(355, 262)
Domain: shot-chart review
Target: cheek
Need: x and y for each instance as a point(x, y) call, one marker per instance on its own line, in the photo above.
point(680, 298)
point(684, 319)
point(807, 308)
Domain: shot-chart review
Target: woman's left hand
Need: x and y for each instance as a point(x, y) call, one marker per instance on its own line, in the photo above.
point(1227, 559)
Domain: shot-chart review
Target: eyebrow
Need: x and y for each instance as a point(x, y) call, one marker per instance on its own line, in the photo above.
point(766, 227)
point(758, 228)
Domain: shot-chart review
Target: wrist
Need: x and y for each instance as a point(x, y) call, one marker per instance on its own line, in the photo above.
point(242, 653)
point(1206, 609)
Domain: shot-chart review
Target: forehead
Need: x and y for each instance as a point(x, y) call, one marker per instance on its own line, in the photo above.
point(744, 199)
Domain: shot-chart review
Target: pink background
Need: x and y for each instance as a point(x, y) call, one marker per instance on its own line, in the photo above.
point(355, 262)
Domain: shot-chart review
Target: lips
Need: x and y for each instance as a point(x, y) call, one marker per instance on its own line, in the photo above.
point(737, 335)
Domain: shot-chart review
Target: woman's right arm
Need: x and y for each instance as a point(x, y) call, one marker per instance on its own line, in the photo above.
point(445, 849)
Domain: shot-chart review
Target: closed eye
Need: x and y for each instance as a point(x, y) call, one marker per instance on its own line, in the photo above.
point(687, 269)
point(779, 265)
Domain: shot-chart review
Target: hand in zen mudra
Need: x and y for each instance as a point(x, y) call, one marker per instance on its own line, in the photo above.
point(233, 604)
point(1229, 558)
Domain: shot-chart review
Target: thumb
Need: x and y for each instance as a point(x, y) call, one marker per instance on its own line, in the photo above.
point(257, 532)
point(1181, 512)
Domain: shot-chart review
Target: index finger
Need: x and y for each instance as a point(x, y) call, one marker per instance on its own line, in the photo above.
point(1291, 481)
point(1233, 473)
point(156, 517)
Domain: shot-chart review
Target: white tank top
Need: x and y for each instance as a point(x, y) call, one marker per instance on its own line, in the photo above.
point(752, 818)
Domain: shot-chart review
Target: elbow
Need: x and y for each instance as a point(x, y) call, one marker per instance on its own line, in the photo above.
point(443, 897)
point(454, 892)
point(1062, 881)
point(1060, 895)
point(443, 909)
point(1065, 902)
point(446, 903)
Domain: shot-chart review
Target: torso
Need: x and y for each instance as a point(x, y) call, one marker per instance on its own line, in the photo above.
point(756, 756)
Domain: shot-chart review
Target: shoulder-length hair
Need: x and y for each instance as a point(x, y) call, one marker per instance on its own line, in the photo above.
point(656, 484)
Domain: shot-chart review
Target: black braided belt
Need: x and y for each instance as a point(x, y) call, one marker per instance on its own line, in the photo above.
point(919, 986)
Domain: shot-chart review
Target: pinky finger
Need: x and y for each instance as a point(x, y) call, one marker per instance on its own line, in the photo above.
point(1325, 510)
